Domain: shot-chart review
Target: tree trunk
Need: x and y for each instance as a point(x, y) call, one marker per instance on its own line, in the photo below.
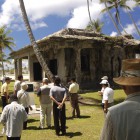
point(112, 19)
point(133, 22)
point(89, 14)
point(2, 64)
point(33, 42)
point(121, 25)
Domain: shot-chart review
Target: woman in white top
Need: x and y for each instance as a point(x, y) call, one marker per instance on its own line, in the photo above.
point(24, 100)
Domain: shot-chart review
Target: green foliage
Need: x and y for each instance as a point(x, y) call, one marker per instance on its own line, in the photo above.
point(6, 42)
point(95, 26)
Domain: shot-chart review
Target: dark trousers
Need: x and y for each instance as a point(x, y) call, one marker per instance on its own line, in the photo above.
point(109, 105)
point(4, 101)
point(59, 115)
point(13, 138)
point(25, 123)
point(74, 104)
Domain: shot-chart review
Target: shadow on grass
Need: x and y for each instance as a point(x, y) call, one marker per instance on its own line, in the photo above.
point(33, 128)
point(96, 102)
point(37, 128)
point(32, 120)
point(81, 117)
point(90, 101)
point(73, 134)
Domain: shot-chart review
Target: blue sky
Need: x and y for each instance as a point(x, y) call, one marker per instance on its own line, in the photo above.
point(49, 16)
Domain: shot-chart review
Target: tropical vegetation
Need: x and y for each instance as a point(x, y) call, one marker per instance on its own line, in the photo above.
point(117, 5)
point(6, 42)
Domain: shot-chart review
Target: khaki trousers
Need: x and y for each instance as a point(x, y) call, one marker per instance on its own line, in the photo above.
point(74, 104)
point(45, 110)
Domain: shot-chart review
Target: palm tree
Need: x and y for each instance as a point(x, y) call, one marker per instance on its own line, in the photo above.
point(123, 5)
point(108, 10)
point(95, 26)
point(115, 4)
point(6, 42)
point(34, 44)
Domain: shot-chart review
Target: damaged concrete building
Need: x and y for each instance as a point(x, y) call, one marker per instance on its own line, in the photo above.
point(78, 53)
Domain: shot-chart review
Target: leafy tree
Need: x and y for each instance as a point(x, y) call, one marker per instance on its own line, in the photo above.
point(114, 4)
point(108, 10)
point(95, 26)
point(122, 4)
point(6, 42)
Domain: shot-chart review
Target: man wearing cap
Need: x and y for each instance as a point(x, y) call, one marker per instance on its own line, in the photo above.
point(24, 100)
point(45, 104)
point(108, 94)
point(13, 116)
point(122, 120)
point(5, 92)
point(102, 89)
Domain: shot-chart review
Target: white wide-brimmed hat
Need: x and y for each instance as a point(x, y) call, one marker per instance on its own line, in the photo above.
point(130, 74)
point(104, 82)
point(104, 78)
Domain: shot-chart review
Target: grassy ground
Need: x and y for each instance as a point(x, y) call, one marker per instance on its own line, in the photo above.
point(88, 127)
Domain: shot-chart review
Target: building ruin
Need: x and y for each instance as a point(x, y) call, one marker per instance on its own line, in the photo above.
point(78, 53)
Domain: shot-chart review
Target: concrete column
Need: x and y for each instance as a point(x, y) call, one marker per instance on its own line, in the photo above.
point(19, 66)
point(78, 65)
point(30, 68)
point(16, 69)
point(43, 74)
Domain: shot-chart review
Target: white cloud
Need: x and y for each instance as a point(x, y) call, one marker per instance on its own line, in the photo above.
point(38, 10)
point(80, 15)
point(113, 34)
point(131, 3)
point(130, 29)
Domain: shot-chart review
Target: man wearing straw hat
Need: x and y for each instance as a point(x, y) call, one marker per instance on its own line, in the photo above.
point(122, 120)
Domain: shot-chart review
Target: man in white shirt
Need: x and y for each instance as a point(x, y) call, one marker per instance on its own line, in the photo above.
point(17, 85)
point(102, 89)
point(108, 95)
point(73, 90)
point(13, 117)
point(122, 120)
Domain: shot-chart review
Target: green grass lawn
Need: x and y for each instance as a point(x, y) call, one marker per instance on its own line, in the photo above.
point(88, 127)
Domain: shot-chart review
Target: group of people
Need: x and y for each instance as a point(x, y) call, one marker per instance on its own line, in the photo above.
point(47, 93)
point(57, 94)
point(121, 120)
